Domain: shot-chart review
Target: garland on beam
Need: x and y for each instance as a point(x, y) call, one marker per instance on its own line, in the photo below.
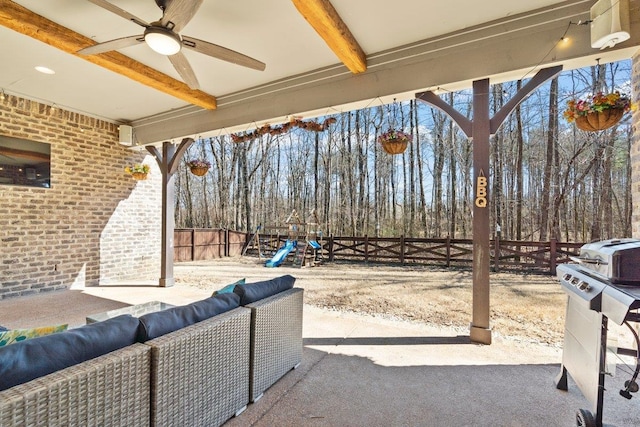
point(311, 126)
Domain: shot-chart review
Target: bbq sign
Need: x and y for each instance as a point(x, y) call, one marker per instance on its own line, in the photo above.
point(481, 190)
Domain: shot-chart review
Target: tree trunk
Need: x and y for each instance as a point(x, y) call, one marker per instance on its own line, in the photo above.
point(548, 163)
point(519, 167)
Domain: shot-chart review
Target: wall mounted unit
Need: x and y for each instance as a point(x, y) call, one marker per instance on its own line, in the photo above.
point(126, 135)
point(609, 23)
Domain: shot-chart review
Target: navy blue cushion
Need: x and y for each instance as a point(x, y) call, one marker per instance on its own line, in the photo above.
point(154, 325)
point(2, 329)
point(24, 361)
point(252, 292)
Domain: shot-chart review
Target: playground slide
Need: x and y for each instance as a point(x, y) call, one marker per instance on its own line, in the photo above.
point(281, 254)
point(314, 244)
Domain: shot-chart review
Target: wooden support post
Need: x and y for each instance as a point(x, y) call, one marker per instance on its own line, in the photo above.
point(168, 162)
point(366, 249)
point(553, 255)
point(193, 244)
point(402, 249)
point(479, 130)
point(331, 247)
point(496, 252)
point(480, 329)
point(227, 247)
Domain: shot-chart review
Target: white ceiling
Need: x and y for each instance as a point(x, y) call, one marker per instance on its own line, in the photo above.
point(271, 31)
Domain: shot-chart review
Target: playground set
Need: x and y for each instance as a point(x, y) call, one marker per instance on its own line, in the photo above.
point(302, 247)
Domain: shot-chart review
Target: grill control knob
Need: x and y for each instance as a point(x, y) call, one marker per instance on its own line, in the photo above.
point(575, 281)
point(566, 277)
point(583, 286)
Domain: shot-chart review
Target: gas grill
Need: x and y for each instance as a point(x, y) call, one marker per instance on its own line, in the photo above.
point(603, 286)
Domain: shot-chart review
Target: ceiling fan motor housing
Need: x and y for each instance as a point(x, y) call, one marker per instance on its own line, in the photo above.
point(162, 40)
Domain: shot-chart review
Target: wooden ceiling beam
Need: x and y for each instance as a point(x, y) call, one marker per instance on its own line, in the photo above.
point(22, 20)
point(329, 25)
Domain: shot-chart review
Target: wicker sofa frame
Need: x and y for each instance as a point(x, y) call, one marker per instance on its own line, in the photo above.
point(184, 378)
point(112, 389)
point(276, 339)
point(194, 380)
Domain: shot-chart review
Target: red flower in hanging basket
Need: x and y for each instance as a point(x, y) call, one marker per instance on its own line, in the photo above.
point(599, 112)
point(394, 141)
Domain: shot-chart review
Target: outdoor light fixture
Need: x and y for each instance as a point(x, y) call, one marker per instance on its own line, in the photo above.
point(162, 40)
point(2, 95)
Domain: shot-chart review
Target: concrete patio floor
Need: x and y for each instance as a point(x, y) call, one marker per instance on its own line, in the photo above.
point(364, 371)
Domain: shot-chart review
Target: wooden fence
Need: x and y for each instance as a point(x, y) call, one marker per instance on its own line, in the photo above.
point(542, 257)
point(196, 244)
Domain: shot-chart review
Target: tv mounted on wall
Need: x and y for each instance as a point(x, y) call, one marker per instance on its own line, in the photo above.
point(25, 162)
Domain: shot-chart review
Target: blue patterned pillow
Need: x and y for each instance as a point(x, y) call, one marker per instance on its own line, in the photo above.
point(16, 335)
point(229, 288)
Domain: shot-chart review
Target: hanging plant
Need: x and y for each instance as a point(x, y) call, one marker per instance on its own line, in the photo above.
point(199, 167)
point(311, 126)
point(394, 141)
point(599, 112)
point(138, 171)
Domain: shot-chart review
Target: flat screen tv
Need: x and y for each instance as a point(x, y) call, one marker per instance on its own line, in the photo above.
point(24, 162)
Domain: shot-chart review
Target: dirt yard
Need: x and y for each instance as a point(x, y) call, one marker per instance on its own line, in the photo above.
point(524, 307)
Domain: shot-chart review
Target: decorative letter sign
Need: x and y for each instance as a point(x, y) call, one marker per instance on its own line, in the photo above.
point(481, 190)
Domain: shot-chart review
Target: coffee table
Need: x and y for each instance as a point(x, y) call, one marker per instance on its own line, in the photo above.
point(134, 310)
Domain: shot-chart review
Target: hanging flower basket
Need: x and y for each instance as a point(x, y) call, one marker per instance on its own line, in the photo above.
point(599, 112)
point(139, 176)
point(599, 120)
point(394, 141)
point(199, 171)
point(199, 167)
point(138, 171)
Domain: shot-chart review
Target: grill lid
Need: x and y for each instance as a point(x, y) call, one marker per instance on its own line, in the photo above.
point(616, 260)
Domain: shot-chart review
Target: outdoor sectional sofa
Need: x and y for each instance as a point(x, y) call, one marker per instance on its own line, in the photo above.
point(195, 365)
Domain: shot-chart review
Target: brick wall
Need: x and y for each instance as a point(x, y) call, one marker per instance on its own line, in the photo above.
point(94, 225)
point(635, 149)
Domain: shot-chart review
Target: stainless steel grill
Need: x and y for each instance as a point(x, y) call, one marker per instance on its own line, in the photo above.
point(604, 286)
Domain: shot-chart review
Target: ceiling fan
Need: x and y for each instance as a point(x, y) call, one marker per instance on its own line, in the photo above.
point(163, 37)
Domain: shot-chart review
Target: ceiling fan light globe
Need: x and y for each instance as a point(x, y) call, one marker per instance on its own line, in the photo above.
point(162, 41)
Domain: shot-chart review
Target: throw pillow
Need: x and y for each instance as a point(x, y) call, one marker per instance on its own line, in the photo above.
point(16, 335)
point(228, 288)
point(252, 292)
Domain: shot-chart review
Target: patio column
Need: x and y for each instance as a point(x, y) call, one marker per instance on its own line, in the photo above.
point(168, 162)
point(479, 130)
point(480, 329)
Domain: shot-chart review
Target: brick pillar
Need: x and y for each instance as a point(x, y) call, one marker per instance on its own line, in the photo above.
point(635, 149)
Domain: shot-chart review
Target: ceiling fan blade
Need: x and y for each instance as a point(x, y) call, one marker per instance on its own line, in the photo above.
point(183, 68)
point(112, 45)
point(222, 53)
point(120, 12)
point(179, 13)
